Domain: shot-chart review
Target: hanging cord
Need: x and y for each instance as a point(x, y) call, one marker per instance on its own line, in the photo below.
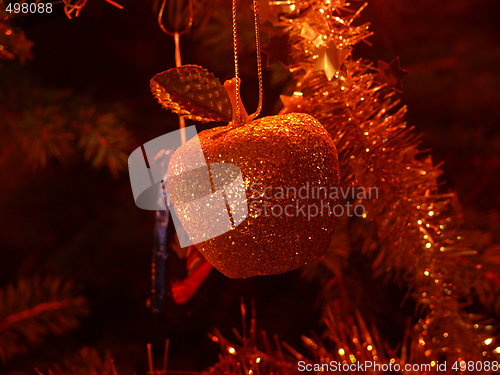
point(236, 69)
point(160, 247)
point(188, 26)
point(178, 63)
point(259, 60)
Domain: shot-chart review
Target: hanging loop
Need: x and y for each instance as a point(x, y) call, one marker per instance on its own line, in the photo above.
point(259, 60)
point(172, 33)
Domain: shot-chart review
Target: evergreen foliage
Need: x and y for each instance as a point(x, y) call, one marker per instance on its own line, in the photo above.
point(35, 308)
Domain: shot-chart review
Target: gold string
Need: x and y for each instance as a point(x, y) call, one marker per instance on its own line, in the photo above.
point(236, 71)
point(259, 60)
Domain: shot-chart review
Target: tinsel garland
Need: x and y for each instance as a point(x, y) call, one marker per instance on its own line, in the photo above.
point(417, 236)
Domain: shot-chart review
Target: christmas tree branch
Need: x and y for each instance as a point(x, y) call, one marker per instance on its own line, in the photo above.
point(36, 308)
point(8, 321)
point(43, 124)
point(418, 238)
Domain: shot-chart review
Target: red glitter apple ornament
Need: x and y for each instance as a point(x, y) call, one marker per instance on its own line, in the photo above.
point(288, 164)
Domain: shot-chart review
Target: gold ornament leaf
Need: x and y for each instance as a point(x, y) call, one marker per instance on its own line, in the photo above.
point(192, 92)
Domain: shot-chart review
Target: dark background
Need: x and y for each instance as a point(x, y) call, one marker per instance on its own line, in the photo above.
point(79, 223)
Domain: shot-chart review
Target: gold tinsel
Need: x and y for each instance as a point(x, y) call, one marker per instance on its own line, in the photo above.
point(415, 224)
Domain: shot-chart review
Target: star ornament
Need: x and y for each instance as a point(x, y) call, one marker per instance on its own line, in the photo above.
point(292, 103)
point(265, 13)
point(391, 74)
point(330, 59)
point(278, 49)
